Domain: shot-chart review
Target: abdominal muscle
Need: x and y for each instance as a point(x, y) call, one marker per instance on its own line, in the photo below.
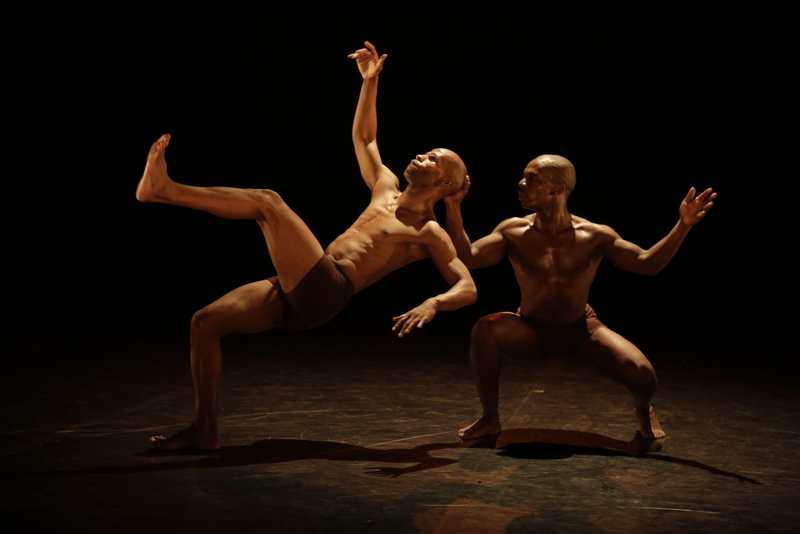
point(553, 302)
point(368, 254)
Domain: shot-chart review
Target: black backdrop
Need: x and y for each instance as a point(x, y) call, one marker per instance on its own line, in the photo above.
point(646, 99)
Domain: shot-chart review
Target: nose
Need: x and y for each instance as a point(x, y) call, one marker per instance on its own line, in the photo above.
point(522, 183)
point(420, 157)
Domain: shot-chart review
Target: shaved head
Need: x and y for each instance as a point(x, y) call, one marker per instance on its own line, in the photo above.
point(455, 169)
point(559, 169)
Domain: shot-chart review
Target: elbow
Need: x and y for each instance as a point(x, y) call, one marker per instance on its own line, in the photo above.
point(469, 262)
point(363, 136)
point(471, 259)
point(648, 268)
point(472, 295)
point(467, 293)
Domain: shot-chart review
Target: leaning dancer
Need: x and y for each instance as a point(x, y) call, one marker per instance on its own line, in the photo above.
point(555, 256)
point(312, 285)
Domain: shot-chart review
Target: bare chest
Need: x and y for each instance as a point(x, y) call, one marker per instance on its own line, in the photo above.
point(568, 255)
point(378, 230)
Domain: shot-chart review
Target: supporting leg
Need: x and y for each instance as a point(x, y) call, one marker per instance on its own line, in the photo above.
point(251, 308)
point(492, 337)
point(619, 359)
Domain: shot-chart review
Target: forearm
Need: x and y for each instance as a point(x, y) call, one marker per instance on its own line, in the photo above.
point(659, 255)
point(365, 122)
point(462, 293)
point(455, 229)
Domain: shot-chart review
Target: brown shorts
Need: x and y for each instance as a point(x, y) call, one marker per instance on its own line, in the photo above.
point(320, 295)
point(565, 338)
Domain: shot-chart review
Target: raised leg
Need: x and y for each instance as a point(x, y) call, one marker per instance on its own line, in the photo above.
point(251, 308)
point(495, 336)
point(293, 248)
point(619, 359)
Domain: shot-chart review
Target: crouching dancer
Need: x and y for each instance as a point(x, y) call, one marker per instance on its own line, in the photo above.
point(555, 256)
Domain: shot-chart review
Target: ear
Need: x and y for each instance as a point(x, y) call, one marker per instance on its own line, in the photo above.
point(445, 181)
point(558, 189)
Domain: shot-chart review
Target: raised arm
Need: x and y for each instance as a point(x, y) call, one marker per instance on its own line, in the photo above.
point(365, 124)
point(633, 258)
point(486, 251)
point(462, 290)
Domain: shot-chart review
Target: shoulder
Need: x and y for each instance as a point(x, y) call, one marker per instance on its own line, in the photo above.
point(432, 229)
point(515, 223)
point(593, 229)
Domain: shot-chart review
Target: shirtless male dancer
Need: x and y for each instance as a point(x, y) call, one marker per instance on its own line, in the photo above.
point(555, 256)
point(313, 284)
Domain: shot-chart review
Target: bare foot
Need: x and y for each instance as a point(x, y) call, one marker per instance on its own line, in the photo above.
point(479, 429)
point(155, 177)
point(649, 425)
point(642, 445)
point(189, 438)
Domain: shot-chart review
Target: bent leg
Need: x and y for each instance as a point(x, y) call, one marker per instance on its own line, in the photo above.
point(251, 308)
point(293, 248)
point(619, 359)
point(494, 336)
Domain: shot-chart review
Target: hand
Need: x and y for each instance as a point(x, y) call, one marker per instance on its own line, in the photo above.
point(415, 318)
point(393, 472)
point(459, 195)
point(695, 208)
point(369, 62)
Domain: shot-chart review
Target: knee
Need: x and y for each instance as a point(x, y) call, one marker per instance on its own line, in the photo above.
point(268, 201)
point(642, 377)
point(488, 328)
point(203, 324)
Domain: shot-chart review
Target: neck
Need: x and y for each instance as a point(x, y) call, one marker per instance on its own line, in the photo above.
point(418, 199)
point(553, 218)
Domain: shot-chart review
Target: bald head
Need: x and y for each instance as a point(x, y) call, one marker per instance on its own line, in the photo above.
point(455, 169)
point(557, 168)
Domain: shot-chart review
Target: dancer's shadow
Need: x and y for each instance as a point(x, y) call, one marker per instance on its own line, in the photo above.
point(534, 443)
point(552, 444)
point(273, 451)
point(524, 443)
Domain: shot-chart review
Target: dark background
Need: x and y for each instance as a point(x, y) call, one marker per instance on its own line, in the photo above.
point(646, 99)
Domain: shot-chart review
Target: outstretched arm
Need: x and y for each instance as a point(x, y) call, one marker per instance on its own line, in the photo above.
point(462, 290)
point(365, 124)
point(487, 251)
point(633, 258)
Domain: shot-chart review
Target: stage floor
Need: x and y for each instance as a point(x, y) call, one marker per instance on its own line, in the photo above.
point(350, 430)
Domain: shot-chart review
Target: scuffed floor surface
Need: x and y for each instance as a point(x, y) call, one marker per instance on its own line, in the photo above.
point(352, 430)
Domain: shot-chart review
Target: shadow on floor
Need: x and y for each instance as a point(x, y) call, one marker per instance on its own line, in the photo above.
point(525, 443)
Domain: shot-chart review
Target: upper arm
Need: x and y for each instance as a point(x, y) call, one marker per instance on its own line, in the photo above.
point(491, 249)
point(441, 251)
point(488, 250)
point(376, 175)
point(622, 253)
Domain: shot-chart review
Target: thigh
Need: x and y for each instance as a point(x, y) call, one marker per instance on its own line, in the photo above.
point(509, 334)
point(614, 356)
point(250, 308)
point(293, 248)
